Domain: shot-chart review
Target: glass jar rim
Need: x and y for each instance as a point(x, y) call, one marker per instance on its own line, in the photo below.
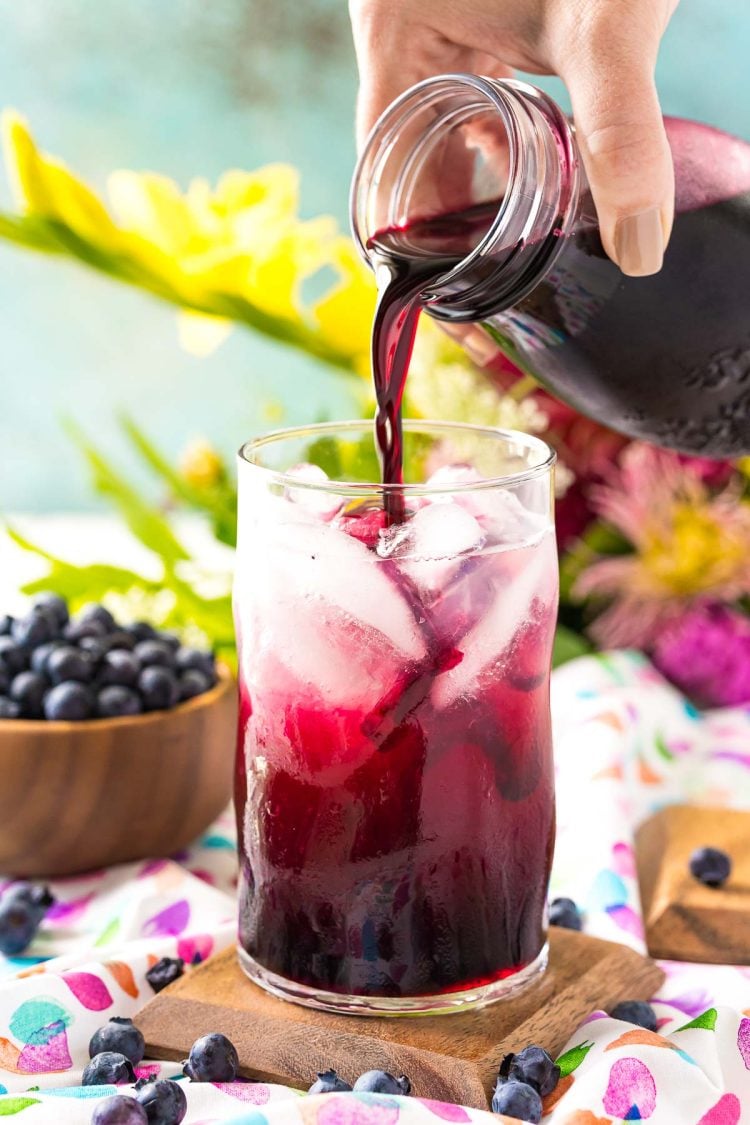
point(488, 87)
point(286, 479)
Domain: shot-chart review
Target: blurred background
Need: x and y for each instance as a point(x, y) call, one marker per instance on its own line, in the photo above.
point(188, 88)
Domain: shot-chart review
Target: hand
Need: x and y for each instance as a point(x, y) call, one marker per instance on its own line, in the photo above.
point(604, 50)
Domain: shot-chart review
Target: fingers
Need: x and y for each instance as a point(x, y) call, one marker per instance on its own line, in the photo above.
point(623, 144)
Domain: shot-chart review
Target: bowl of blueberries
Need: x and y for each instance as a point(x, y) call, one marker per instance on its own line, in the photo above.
point(116, 740)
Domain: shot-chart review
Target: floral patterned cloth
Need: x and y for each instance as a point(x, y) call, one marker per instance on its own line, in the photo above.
point(626, 743)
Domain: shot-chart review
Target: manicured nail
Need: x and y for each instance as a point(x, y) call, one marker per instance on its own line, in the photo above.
point(639, 243)
point(481, 347)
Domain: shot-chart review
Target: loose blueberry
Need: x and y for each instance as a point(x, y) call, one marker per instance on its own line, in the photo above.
point(154, 654)
point(9, 709)
point(193, 683)
point(13, 656)
point(54, 604)
point(192, 659)
point(517, 1099)
point(710, 866)
point(41, 655)
point(37, 628)
point(563, 912)
point(75, 631)
point(68, 663)
point(533, 1066)
point(96, 612)
point(28, 690)
point(121, 1037)
point(158, 688)
point(6, 624)
point(381, 1082)
point(140, 631)
point(164, 972)
point(119, 667)
point(119, 1110)
point(164, 1102)
point(22, 908)
point(635, 1011)
point(68, 702)
point(108, 1068)
point(212, 1059)
point(117, 702)
point(328, 1082)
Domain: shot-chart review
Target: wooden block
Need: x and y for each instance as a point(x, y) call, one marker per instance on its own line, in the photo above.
point(452, 1058)
point(686, 921)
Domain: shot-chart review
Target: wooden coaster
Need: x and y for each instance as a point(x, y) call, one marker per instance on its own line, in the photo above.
point(686, 921)
point(452, 1058)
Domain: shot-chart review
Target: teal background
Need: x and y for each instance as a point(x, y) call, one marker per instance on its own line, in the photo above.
point(190, 88)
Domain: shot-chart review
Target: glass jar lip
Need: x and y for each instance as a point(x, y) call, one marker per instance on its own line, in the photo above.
point(486, 86)
point(368, 488)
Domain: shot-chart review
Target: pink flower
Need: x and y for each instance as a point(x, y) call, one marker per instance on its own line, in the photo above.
point(706, 653)
point(690, 543)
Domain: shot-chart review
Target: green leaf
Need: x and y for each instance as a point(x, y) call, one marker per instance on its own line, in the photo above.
point(706, 1021)
point(145, 522)
point(568, 645)
point(9, 1106)
point(573, 1058)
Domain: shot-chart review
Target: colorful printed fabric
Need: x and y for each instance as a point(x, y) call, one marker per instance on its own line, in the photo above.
point(626, 743)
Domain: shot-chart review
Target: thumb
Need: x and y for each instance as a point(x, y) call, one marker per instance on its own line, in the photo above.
point(625, 153)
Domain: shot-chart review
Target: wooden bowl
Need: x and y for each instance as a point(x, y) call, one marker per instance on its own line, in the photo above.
point(76, 797)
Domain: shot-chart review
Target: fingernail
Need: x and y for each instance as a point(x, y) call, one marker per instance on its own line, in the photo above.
point(481, 347)
point(639, 243)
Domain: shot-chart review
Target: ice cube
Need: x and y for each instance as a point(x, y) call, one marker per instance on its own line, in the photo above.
point(449, 475)
point(500, 511)
point(522, 576)
point(430, 546)
point(323, 504)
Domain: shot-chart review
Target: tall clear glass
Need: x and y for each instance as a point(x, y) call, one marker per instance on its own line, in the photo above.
point(394, 786)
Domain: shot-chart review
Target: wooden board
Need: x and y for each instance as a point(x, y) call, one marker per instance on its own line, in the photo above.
point(686, 921)
point(453, 1057)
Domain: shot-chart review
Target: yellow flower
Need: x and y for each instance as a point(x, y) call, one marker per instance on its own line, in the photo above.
point(201, 465)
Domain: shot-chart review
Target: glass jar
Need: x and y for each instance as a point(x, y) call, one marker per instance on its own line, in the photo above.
point(663, 358)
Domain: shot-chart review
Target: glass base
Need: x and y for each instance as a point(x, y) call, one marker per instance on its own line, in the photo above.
point(441, 1004)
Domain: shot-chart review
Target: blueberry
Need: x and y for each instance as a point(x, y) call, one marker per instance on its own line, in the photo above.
point(96, 612)
point(171, 640)
point(381, 1082)
point(533, 1066)
point(6, 624)
point(9, 709)
point(5, 679)
point(75, 631)
point(119, 1110)
point(563, 912)
point(121, 1036)
point(158, 689)
point(120, 638)
point(55, 605)
point(119, 667)
point(68, 663)
point(68, 702)
point(35, 629)
point(517, 1099)
point(41, 655)
point(154, 653)
point(140, 631)
point(710, 866)
point(192, 659)
point(193, 683)
point(28, 690)
point(328, 1082)
point(22, 908)
point(164, 972)
point(117, 701)
point(635, 1011)
point(108, 1068)
point(212, 1059)
point(164, 1102)
point(12, 655)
